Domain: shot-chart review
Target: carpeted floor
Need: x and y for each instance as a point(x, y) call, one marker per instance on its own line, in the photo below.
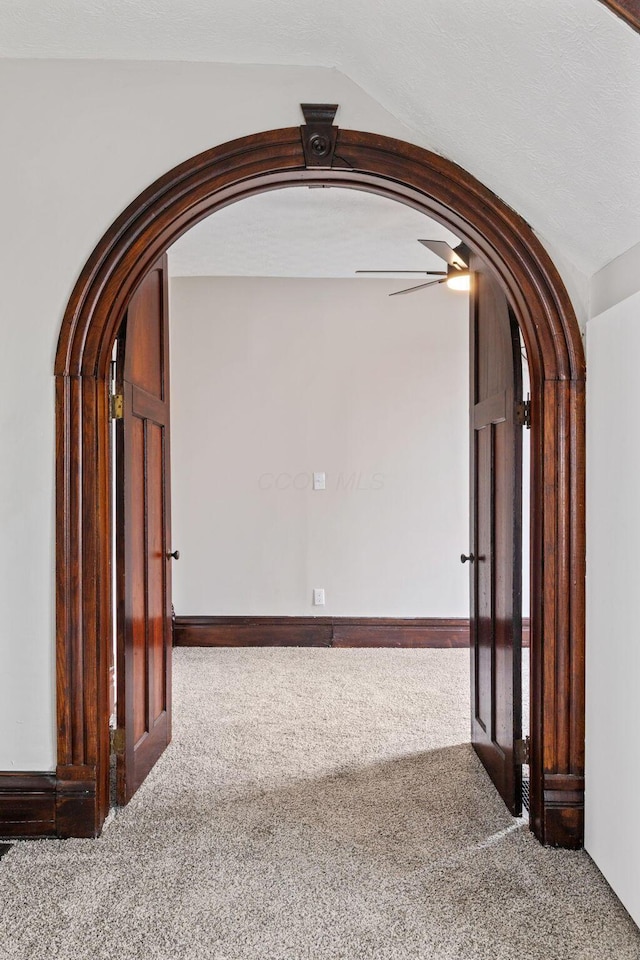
point(314, 805)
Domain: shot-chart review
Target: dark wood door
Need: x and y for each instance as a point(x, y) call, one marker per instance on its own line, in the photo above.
point(143, 534)
point(496, 534)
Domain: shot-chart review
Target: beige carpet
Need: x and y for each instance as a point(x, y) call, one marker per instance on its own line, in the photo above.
point(314, 805)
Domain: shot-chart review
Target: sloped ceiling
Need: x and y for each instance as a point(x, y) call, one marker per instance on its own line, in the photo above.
point(299, 232)
point(540, 100)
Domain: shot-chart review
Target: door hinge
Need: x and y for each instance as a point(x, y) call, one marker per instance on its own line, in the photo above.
point(117, 406)
point(522, 749)
point(523, 413)
point(118, 741)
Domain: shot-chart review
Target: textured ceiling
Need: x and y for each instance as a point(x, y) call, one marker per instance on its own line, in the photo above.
point(299, 232)
point(539, 99)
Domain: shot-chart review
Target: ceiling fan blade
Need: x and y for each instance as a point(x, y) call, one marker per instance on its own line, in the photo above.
point(446, 252)
point(421, 286)
point(426, 273)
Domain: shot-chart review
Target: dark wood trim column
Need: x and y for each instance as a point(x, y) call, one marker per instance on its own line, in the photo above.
point(558, 615)
point(83, 603)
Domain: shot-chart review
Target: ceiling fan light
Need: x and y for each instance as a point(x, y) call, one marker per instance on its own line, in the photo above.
point(459, 281)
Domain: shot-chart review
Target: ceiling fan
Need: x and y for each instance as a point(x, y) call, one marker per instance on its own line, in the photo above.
point(456, 276)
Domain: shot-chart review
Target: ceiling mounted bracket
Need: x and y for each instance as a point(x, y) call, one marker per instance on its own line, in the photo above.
point(319, 135)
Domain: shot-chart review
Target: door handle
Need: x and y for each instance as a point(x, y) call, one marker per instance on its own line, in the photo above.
point(463, 558)
point(175, 555)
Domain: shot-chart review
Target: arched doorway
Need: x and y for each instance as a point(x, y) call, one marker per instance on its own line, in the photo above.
point(442, 190)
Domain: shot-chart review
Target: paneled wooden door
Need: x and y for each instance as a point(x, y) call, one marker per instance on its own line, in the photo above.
point(496, 534)
point(143, 574)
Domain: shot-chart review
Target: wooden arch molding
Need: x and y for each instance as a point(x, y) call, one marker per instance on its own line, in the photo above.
point(627, 10)
point(150, 224)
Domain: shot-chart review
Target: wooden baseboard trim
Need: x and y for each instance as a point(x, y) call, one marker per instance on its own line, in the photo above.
point(27, 805)
point(61, 804)
point(76, 802)
point(426, 632)
point(564, 810)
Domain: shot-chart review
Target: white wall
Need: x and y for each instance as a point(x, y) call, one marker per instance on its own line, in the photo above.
point(273, 379)
point(617, 281)
point(80, 141)
point(612, 834)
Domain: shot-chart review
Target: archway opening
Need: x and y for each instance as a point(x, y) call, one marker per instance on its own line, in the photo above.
point(550, 331)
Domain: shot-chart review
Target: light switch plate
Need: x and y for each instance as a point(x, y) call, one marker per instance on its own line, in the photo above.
point(319, 481)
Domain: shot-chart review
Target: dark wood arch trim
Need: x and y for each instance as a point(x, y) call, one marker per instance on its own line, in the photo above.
point(627, 10)
point(147, 227)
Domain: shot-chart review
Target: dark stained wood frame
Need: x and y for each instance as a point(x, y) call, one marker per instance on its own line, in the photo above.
point(167, 209)
point(627, 10)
